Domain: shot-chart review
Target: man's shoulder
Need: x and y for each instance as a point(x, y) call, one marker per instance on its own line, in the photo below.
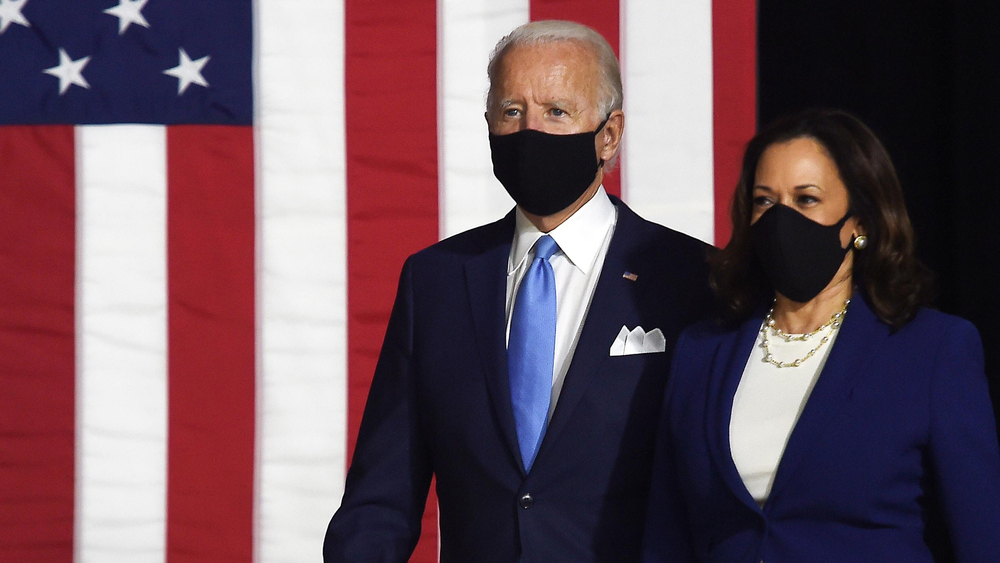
point(659, 241)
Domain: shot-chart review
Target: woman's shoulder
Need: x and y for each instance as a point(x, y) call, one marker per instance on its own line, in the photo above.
point(939, 339)
point(937, 325)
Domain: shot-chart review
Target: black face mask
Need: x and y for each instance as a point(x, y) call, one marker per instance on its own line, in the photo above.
point(798, 255)
point(545, 173)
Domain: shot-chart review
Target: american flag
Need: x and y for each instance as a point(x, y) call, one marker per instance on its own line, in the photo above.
point(204, 206)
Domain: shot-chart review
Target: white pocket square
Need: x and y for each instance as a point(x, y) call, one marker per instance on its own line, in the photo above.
point(638, 341)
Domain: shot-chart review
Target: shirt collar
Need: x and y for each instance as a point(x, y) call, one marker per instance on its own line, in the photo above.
point(579, 237)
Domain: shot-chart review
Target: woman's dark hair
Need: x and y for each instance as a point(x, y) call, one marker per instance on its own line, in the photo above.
point(887, 272)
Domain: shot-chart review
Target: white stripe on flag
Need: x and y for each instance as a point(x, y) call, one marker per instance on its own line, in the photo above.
point(121, 344)
point(302, 301)
point(667, 66)
point(467, 31)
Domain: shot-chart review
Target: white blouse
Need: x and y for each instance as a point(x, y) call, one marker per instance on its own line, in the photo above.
point(767, 405)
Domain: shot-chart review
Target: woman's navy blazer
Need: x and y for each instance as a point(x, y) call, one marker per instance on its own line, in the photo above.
point(897, 437)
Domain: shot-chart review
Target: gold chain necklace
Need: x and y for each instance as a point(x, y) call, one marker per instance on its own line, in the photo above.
point(834, 322)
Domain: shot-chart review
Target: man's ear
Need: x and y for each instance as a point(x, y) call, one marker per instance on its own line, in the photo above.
point(610, 137)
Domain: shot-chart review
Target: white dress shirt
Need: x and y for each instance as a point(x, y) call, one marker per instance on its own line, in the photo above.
point(583, 241)
point(767, 405)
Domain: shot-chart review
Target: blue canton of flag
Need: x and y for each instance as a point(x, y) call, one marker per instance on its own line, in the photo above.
point(126, 61)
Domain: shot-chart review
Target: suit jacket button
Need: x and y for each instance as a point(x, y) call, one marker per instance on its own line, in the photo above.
point(526, 501)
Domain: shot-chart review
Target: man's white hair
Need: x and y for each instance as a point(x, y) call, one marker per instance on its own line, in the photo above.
point(550, 31)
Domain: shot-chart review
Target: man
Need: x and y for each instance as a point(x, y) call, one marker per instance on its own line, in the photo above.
point(508, 369)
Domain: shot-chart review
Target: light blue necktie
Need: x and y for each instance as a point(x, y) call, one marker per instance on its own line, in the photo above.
point(531, 350)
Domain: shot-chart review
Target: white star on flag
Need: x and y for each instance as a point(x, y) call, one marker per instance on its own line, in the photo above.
point(128, 12)
point(188, 72)
point(69, 72)
point(10, 12)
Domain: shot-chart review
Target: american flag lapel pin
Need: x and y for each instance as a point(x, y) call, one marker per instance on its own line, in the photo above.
point(630, 276)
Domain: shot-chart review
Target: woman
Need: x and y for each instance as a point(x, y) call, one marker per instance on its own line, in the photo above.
point(833, 418)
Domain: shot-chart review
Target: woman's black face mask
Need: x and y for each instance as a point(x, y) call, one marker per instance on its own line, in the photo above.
point(542, 172)
point(798, 255)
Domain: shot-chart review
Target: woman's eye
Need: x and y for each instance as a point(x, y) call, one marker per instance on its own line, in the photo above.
point(808, 200)
point(761, 201)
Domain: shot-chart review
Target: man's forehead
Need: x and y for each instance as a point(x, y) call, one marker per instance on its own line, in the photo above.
point(558, 56)
point(547, 65)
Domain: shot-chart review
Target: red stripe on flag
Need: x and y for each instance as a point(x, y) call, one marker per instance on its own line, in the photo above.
point(734, 83)
point(602, 16)
point(210, 269)
point(392, 181)
point(37, 343)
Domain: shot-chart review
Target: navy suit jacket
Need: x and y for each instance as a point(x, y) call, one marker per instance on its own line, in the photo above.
point(898, 432)
point(440, 404)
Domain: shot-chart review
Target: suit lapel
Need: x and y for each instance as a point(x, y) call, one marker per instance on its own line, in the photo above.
point(727, 371)
point(614, 301)
point(861, 335)
point(486, 284)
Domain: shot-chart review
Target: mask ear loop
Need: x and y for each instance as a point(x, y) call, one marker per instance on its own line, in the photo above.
point(840, 224)
point(859, 242)
point(601, 126)
point(847, 215)
point(597, 131)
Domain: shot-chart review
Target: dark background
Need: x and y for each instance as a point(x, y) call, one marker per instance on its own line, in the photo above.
point(925, 76)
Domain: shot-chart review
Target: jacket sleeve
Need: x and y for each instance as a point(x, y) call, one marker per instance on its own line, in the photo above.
point(963, 449)
point(667, 538)
point(379, 517)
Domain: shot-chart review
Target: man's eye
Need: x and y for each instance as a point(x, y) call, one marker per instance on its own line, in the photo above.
point(556, 112)
point(511, 112)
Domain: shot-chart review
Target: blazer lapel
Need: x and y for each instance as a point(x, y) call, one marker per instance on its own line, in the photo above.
point(861, 335)
point(727, 371)
point(613, 302)
point(486, 285)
